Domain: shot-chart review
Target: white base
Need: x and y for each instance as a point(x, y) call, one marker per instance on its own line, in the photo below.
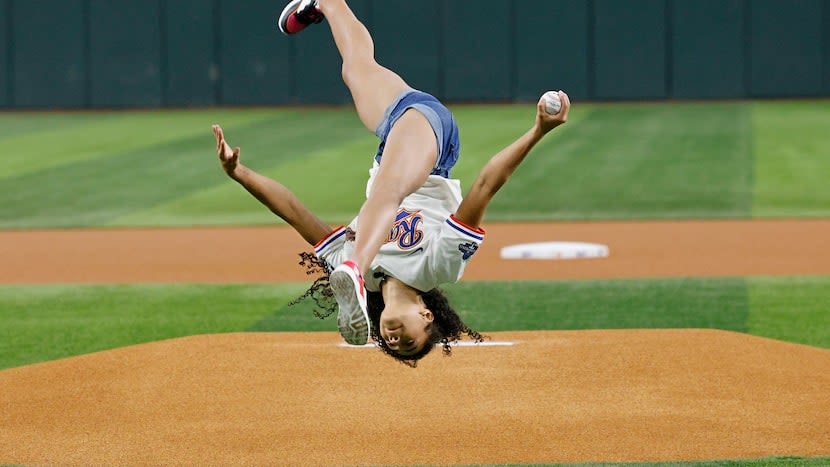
point(555, 250)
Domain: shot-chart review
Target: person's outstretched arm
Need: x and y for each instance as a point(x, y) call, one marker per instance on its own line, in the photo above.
point(499, 168)
point(276, 197)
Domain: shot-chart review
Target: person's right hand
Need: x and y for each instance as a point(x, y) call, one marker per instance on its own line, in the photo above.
point(545, 121)
point(227, 156)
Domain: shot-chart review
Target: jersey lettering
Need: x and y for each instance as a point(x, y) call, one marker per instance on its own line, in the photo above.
point(406, 231)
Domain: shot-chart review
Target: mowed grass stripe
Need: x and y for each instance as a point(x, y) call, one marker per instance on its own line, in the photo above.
point(61, 140)
point(566, 177)
point(622, 161)
point(330, 181)
point(602, 304)
point(792, 159)
point(638, 161)
point(796, 309)
point(43, 323)
point(486, 130)
point(17, 123)
point(48, 322)
point(329, 178)
point(95, 192)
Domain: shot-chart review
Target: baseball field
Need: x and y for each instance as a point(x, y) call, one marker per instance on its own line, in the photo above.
point(144, 315)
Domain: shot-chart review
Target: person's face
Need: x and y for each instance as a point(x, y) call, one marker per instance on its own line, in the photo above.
point(403, 327)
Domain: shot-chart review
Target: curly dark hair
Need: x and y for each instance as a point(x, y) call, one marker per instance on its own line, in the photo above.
point(320, 291)
point(446, 327)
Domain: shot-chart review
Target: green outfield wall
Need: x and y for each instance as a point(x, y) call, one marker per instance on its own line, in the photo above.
point(178, 53)
point(5, 59)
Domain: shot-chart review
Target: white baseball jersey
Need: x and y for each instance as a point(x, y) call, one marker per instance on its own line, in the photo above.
point(426, 247)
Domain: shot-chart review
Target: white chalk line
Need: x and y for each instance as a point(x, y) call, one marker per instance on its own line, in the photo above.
point(454, 344)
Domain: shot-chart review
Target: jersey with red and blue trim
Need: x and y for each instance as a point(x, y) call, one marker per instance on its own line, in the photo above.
point(426, 247)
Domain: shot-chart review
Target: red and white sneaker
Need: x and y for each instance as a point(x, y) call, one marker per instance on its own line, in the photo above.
point(350, 292)
point(298, 15)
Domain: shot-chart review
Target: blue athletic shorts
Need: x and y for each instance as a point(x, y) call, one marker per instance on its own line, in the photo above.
point(439, 117)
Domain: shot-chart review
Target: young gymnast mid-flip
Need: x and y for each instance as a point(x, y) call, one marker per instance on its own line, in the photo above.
point(414, 232)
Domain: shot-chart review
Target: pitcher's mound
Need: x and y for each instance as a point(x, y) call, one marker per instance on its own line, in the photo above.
point(301, 399)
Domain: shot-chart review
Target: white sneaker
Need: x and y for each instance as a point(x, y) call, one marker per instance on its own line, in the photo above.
point(350, 292)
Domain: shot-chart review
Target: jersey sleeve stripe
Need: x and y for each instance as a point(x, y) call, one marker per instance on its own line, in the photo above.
point(477, 230)
point(329, 240)
point(471, 232)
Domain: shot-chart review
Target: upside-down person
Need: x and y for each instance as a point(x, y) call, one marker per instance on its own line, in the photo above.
point(414, 232)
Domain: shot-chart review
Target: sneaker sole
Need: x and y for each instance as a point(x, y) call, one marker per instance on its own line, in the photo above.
point(355, 327)
point(288, 10)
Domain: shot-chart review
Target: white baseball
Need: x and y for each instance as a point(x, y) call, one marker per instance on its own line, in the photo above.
point(552, 103)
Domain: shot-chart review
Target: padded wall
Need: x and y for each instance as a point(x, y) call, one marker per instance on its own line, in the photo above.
point(786, 56)
point(191, 71)
point(124, 53)
point(630, 49)
point(708, 49)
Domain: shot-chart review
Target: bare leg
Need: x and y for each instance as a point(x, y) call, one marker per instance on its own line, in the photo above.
point(373, 87)
point(411, 150)
point(408, 159)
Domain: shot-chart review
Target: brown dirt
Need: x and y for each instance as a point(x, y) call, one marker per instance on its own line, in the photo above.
point(269, 254)
point(299, 399)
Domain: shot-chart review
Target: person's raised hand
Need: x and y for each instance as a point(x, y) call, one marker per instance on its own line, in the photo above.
point(545, 121)
point(227, 156)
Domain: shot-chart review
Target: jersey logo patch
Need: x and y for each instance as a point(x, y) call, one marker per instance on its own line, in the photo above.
point(467, 250)
point(406, 231)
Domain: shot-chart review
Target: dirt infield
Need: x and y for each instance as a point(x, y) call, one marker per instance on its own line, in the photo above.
point(269, 254)
point(300, 399)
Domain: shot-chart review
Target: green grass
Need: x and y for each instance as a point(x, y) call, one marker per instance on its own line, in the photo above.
point(602, 304)
point(228, 203)
point(93, 191)
point(792, 165)
point(633, 161)
point(47, 140)
point(622, 161)
point(796, 309)
point(48, 322)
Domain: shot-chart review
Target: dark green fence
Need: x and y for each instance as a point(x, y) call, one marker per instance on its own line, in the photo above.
point(160, 53)
point(5, 58)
